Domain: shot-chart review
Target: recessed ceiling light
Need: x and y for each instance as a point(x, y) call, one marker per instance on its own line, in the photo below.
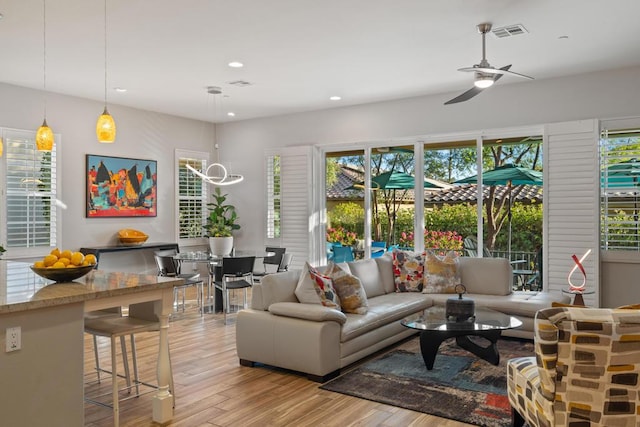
point(231, 114)
point(120, 89)
point(335, 98)
point(235, 64)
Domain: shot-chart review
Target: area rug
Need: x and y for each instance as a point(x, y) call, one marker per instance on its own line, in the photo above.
point(460, 387)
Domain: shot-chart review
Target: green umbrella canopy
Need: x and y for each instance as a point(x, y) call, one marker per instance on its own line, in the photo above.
point(393, 181)
point(623, 174)
point(502, 175)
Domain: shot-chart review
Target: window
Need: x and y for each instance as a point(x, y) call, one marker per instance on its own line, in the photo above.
point(273, 197)
point(620, 189)
point(30, 201)
point(191, 195)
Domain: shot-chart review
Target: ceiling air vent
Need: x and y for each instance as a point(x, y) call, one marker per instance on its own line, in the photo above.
point(240, 83)
point(509, 31)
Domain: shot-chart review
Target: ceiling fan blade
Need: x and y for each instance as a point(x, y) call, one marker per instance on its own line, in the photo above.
point(465, 96)
point(501, 71)
point(475, 90)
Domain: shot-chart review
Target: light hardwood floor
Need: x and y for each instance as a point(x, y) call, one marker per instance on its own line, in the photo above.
point(212, 389)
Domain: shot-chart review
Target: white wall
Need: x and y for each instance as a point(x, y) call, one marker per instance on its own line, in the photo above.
point(141, 134)
point(597, 95)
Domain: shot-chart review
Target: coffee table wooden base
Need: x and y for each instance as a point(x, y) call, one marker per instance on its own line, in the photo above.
point(430, 343)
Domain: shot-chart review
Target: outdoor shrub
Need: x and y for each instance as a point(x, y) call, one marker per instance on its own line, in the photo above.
point(340, 235)
point(349, 216)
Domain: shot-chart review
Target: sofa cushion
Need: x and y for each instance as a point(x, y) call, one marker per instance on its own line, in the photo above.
point(275, 287)
point(488, 276)
point(441, 274)
point(305, 290)
point(349, 288)
point(324, 288)
point(384, 309)
point(385, 268)
point(408, 270)
point(367, 271)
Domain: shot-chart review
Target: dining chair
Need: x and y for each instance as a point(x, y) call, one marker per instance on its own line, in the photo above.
point(141, 318)
point(286, 262)
point(342, 254)
point(169, 267)
point(237, 273)
point(270, 264)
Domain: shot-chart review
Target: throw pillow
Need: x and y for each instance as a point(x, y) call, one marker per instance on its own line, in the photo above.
point(441, 273)
point(349, 288)
point(324, 289)
point(305, 289)
point(408, 269)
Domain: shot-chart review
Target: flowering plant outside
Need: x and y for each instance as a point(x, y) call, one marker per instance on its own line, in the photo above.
point(443, 240)
point(342, 236)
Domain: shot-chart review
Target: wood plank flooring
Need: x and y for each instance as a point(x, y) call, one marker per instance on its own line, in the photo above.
point(212, 389)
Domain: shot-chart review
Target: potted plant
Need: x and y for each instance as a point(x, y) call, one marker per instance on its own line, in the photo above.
point(220, 224)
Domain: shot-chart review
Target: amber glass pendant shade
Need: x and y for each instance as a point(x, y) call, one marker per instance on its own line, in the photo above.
point(44, 137)
point(106, 128)
point(1, 147)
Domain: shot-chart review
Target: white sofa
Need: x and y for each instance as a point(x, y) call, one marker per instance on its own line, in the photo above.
point(279, 331)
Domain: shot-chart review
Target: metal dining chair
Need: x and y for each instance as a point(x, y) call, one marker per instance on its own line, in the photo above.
point(237, 273)
point(270, 264)
point(169, 267)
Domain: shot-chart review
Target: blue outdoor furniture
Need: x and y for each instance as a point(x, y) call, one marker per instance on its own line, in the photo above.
point(378, 249)
point(342, 254)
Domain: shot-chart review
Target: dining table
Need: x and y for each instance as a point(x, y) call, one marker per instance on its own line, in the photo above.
point(46, 369)
point(214, 263)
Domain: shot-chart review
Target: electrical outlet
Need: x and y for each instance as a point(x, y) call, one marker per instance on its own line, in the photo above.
point(14, 339)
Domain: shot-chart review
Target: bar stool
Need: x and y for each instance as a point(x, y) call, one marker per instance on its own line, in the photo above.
point(141, 318)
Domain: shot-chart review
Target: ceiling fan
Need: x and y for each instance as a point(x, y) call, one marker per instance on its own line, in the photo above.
point(484, 74)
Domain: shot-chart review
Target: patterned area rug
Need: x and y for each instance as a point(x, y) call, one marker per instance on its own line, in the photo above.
point(460, 387)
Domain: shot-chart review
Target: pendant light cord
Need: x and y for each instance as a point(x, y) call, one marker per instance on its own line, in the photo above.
point(105, 54)
point(44, 49)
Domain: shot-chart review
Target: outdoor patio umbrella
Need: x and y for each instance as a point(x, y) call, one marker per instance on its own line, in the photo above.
point(393, 180)
point(508, 175)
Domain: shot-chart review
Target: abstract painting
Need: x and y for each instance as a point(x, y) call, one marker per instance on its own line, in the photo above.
point(121, 187)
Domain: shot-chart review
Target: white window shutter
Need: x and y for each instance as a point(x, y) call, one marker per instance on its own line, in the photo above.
point(571, 200)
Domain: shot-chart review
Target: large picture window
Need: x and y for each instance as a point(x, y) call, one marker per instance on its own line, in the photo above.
point(30, 200)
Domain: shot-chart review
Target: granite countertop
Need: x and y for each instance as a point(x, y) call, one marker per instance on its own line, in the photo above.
point(21, 289)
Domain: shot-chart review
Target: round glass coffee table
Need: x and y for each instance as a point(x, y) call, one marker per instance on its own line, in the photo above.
point(435, 328)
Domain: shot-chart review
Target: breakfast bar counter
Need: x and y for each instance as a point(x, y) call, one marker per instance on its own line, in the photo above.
point(42, 381)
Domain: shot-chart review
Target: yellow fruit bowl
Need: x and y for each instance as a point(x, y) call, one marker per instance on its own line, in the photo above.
point(63, 274)
point(131, 237)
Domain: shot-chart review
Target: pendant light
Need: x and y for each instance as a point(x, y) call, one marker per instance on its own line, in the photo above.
point(106, 127)
point(221, 177)
point(44, 135)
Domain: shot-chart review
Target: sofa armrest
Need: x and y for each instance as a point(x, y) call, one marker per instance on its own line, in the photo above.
point(315, 312)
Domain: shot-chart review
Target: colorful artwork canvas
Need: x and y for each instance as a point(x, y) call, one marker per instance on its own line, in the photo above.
point(121, 187)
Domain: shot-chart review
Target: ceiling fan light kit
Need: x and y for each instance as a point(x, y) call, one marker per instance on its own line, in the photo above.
point(484, 74)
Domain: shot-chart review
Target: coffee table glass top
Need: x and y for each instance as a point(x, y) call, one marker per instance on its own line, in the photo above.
point(433, 319)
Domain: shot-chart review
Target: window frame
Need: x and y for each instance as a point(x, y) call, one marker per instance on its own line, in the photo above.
point(273, 231)
point(55, 222)
point(196, 157)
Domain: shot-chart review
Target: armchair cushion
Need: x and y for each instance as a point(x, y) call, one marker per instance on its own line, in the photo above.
point(588, 369)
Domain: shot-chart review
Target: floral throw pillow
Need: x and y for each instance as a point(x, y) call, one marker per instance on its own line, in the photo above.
point(441, 273)
point(408, 270)
point(350, 290)
point(324, 289)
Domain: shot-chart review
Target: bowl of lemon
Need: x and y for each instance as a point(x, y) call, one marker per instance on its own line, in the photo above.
point(64, 266)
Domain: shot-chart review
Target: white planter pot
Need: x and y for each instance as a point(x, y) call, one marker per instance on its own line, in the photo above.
point(221, 246)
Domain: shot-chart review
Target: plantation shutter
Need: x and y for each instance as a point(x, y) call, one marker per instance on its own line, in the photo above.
point(571, 201)
point(192, 196)
point(30, 203)
point(273, 196)
point(620, 185)
point(299, 204)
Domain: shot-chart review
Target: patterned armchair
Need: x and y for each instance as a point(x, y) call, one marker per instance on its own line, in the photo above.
point(585, 372)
